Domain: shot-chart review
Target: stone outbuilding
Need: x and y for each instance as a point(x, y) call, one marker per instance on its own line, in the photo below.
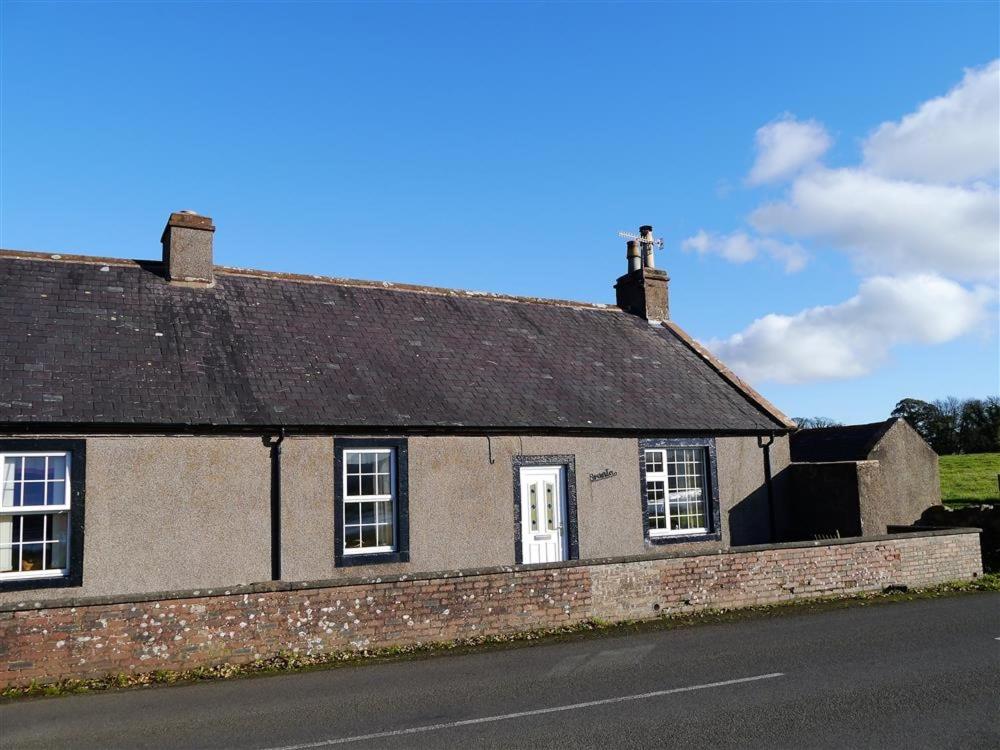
point(857, 480)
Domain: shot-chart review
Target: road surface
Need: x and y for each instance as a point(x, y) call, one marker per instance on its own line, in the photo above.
point(907, 674)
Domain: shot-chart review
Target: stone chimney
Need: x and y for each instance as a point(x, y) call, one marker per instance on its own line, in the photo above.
point(187, 249)
point(643, 290)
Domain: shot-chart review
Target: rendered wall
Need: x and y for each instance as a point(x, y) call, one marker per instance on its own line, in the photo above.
point(91, 638)
point(181, 512)
point(909, 480)
point(826, 499)
point(164, 513)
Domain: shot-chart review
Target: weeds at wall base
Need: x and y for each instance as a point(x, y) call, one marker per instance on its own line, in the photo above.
point(293, 662)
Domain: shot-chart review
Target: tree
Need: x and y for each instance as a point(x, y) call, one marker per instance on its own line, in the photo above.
point(917, 413)
point(944, 426)
point(951, 425)
point(809, 423)
point(979, 426)
point(936, 422)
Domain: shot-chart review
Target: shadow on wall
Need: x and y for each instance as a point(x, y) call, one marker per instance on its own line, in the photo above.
point(750, 519)
point(985, 517)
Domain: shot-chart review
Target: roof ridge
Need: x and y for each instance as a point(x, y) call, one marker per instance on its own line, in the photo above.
point(880, 423)
point(37, 255)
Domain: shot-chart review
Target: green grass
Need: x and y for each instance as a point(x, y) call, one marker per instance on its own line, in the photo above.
point(970, 478)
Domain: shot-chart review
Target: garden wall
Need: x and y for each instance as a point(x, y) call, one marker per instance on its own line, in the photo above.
point(97, 636)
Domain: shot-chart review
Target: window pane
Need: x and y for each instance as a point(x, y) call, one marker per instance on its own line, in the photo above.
point(367, 463)
point(11, 467)
point(11, 495)
point(383, 463)
point(384, 509)
point(368, 536)
point(352, 537)
point(550, 514)
point(57, 467)
point(7, 526)
point(367, 484)
point(33, 529)
point(57, 493)
point(31, 557)
point(353, 462)
point(367, 512)
point(34, 493)
point(385, 535)
point(533, 502)
point(55, 556)
point(353, 486)
point(352, 513)
point(383, 485)
point(58, 526)
point(34, 467)
point(7, 556)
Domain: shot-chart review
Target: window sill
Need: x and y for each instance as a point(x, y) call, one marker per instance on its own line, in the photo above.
point(375, 558)
point(700, 536)
point(33, 575)
point(46, 581)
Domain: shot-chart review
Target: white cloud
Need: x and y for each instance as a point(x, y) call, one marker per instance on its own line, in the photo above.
point(891, 225)
point(786, 146)
point(953, 138)
point(739, 247)
point(921, 209)
point(853, 338)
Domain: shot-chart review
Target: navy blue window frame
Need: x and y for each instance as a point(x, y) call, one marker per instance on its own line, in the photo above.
point(714, 512)
point(402, 489)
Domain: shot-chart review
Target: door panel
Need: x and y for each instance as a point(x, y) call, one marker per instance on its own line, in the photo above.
point(543, 513)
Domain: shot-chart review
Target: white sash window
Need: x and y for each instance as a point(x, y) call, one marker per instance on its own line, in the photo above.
point(369, 501)
point(676, 491)
point(34, 515)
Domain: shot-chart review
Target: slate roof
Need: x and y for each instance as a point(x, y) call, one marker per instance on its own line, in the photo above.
point(845, 443)
point(111, 342)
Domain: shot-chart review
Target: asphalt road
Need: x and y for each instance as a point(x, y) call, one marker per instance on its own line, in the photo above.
point(908, 674)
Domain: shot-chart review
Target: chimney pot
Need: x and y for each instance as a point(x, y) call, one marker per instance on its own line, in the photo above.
point(187, 249)
point(632, 255)
point(646, 240)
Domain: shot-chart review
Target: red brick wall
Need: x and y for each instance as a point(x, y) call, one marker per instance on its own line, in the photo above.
point(91, 638)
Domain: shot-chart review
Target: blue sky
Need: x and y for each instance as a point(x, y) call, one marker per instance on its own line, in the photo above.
point(502, 146)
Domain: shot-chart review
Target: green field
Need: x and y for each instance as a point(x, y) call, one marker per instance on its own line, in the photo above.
point(970, 478)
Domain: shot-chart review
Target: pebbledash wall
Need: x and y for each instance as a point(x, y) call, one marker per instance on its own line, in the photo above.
point(96, 636)
point(169, 512)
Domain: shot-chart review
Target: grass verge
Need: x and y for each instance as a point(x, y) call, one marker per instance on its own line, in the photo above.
point(289, 662)
point(969, 478)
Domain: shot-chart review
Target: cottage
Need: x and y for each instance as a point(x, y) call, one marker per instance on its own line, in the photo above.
point(202, 464)
point(856, 480)
point(178, 425)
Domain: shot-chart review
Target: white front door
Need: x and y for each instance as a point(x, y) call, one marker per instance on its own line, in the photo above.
point(543, 514)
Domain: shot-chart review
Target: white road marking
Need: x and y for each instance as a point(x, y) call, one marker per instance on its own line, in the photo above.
point(521, 714)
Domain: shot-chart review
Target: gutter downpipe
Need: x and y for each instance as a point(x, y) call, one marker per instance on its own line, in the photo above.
point(274, 443)
point(768, 482)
